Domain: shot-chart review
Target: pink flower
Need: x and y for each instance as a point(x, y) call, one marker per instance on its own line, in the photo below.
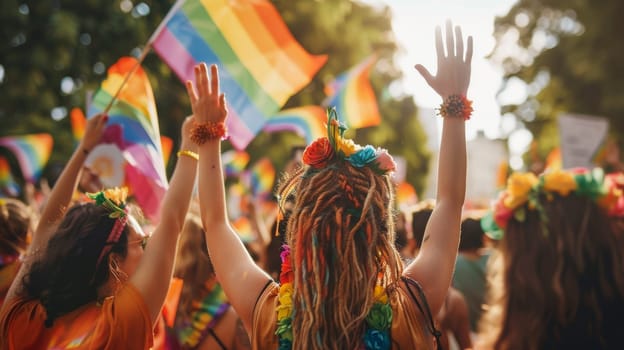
point(385, 162)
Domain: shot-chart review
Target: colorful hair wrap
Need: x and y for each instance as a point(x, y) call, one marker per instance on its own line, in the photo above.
point(456, 106)
point(525, 190)
point(325, 150)
point(113, 200)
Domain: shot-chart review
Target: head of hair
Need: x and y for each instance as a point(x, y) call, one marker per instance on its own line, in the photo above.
point(559, 277)
point(471, 237)
point(16, 222)
point(341, 236)
point(65, 276)
point(193, 265)
point(420, 217)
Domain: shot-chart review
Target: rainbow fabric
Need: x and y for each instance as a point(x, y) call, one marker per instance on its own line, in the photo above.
point(234, 162)
point(307, 121)
point(8, 186)
point(259, 178)
point(167, 145)
point(133, 127)
point(406, 195)
point(32, 153)
point(78, 123)
point(260, 63)
point(353, 97)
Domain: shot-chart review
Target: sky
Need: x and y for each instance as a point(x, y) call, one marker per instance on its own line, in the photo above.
point(414, 22)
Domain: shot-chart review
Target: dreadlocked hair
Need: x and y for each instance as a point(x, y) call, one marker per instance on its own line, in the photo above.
point(341, 235)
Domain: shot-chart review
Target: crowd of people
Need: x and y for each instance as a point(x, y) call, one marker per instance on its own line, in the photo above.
point(342, 269)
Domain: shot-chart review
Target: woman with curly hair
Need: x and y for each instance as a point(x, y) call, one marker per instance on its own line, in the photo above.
point(558, 280)
point(342, 282)
point(86, 281)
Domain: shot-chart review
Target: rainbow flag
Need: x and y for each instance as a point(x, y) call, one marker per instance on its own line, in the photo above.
point(78, 123)
point(260, 63)
point(406, 195)
point(234, 162)
point(259, 178)
point(353, 96)
point(167, 145)
point(307, 121)
point(32, 153)
point(133, 128)
point(8, 185)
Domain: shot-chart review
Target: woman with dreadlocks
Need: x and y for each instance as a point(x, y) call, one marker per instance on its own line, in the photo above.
point(85, 281)
point(342, 283)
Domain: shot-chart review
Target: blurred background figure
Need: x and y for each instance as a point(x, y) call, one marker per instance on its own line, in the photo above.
point(204, 318)
point(17, 222)
point(470, 268)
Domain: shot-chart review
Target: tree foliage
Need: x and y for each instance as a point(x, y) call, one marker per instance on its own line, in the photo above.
point(52, 53)
point(570, 56)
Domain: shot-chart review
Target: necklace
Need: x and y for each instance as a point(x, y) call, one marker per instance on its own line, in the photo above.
point(378, 320)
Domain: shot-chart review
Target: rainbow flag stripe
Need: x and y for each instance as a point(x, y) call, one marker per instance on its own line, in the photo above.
point(8, 185)
point(167, 145)
point(260, 63)
point(260, 178)
point(353, 96)
point(307, 121)
point(78, 123)
point(234, 162)
point(133, 127)
point(32, 153)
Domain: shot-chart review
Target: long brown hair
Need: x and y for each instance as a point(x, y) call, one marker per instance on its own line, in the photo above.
point(16, 222)
point(193, 265)
point(341, 236)
point(558, 281)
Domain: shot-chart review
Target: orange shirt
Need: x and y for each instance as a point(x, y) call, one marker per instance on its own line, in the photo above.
point(121, 322)
point(408, 324)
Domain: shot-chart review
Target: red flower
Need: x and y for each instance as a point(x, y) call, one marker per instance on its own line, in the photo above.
point(318, 153)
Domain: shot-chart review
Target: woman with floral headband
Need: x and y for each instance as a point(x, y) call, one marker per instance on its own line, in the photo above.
point(558, 280)
point(343, 285)
point(85, 281)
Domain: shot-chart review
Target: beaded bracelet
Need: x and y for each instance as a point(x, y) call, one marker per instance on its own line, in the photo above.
point(188, 154)
point(456, 106)
point(200, 133)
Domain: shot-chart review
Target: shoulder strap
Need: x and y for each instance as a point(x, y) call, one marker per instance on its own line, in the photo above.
point(426, 311)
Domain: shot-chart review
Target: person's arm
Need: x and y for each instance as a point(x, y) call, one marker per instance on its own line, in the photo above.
point(59, 199)
point(433, 266)
point(156, 267)
point(459, 321)
point(241, 279)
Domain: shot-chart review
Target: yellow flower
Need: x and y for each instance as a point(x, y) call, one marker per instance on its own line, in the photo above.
point(117, 195)
point(285, 294)
point(380, 294)
point(518, 187)
point(559, 181)
point(347, 146)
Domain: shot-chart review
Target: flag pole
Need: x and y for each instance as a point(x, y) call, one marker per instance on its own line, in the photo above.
point(144, 52)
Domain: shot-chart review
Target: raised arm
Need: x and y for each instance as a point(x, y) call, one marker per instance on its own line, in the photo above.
point(241, 279)
point(59, 199)
point(433, 266)
point(156, 267)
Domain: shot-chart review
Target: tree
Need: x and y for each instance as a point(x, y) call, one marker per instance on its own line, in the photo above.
point(53, 52)
point(568, 53)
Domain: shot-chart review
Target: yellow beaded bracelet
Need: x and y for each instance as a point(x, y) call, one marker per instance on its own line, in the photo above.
point(188, 154)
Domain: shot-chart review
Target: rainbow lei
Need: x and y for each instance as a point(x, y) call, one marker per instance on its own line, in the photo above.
point(524, 189)
point(378, 320)
point(207, 313)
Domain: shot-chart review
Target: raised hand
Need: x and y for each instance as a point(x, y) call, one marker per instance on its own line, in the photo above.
point(453, 75)
point(93, 132)
point(207, 102)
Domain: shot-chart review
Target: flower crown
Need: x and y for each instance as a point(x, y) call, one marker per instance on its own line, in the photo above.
point(113, 199)
point(526, 188)
point(325, 149)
